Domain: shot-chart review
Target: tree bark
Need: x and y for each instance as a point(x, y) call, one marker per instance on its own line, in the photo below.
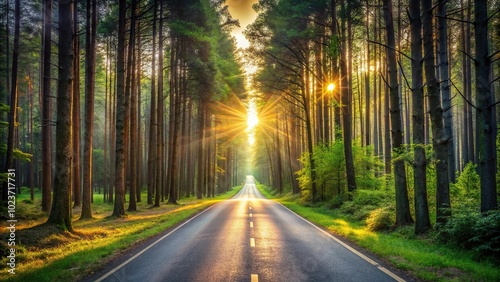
point(121, 115)
point(152, 117)
point(76, 171)
point(485, 122)
point(403, 215)
point(47, 109)
point(90, 52)
point(422, 220)
point(61, 213)
point(439, 141)
point(9, 160)
point(445, 86)
point(159, 133)
point(131, 90)
point(346, 107)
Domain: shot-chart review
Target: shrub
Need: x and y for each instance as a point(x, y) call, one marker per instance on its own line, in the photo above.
point(380, 219)
point(474, 231)
point(371, 197)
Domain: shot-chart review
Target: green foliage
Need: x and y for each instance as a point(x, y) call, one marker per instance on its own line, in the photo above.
point(331, 170)
point(364, 202)
point(465, 193)
point(475, 231)
point(381, 219)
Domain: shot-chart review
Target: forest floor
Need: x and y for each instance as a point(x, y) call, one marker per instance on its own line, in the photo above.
point(45, 253)
point(420, 256)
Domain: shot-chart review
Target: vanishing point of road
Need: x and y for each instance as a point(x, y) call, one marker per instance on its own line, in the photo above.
point(247, 238)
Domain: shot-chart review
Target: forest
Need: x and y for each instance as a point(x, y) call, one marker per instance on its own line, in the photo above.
point(387, 108)
point(394, 96)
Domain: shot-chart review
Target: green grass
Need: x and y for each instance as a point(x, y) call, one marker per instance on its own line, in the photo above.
point(421, 256)
point(45, 255)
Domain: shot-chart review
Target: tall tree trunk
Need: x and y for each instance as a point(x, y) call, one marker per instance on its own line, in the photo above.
point(422, 220)
point(445, 86)
point(201, 135)
point(121, 116)
point(9, 162)
point(131, 89)
point(138, 114)
point(90, 51)
point(335, 77)
point(439, 141)
point(174, 121)
point(76, 170)
point(465, 78)
point(403, 215)
point(347, 108)
point(61, 213)
point(485, 122)
point(367, 81)
point(160, 119)
point(152, 152)
point(47, 109)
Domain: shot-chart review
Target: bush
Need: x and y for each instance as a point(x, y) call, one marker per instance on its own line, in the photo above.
point(371, 197)
point(380, 219)
point(474, 231)
point(465, 193)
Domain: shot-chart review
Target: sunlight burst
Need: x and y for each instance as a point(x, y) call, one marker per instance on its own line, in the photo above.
point(252, 121)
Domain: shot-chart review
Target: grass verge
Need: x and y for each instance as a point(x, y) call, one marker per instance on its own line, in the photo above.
point(46, 254)
point(420, 256)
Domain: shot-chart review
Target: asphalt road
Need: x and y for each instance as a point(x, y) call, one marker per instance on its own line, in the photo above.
point(247, 238)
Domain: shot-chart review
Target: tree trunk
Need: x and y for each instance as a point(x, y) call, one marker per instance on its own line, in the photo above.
point(131, 89)
point(90, 52)
point(152, 118)
point(439, 141)
point(47, 109)
point(76, 170)
point(61, 213)
point(403, 215)
point(367, 81)
point(422, 220)
point(121, 115)
point(159, 133)
point(445, 86)
point(174, 121)
point(346, 107)
point(485, 122)
point(9, 162)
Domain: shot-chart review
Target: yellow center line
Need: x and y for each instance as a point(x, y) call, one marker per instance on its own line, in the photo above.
point(252, 242)
point(251, 224)
point(254, 278)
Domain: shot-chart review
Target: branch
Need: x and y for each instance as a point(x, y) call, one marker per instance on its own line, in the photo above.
point(493, 81)
point(465, 99)
point(453, 19)
point(466, 54)
point(494, 104)
point(388, 47)
point(383, 78)
point(404, 76)
point(493, 55)
point(492, 15)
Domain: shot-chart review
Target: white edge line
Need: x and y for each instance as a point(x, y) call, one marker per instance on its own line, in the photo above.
point(356, 252)
point(149, 247)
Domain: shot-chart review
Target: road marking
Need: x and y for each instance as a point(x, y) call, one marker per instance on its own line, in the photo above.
point(254, 278)
point(251, 224)
point(252, 242)
point(359, 254)
point(250, 207)
point(149, 247)
point(250, 215)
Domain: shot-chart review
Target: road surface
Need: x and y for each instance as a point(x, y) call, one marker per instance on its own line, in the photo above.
point(247, 238)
